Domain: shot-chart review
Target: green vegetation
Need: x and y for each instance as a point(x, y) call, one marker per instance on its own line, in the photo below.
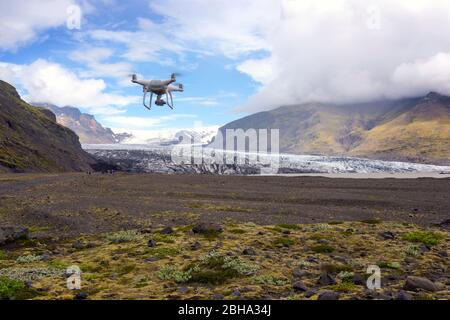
point(163, 252)
point(322, 248)
point(11, 289)
point(344, 286)
point(427, 238)
point(371, 221)
point(270, 280)
point(29, 258)
point(289, 226)
point(213, 268)
point(283, 242)
point(124, 236)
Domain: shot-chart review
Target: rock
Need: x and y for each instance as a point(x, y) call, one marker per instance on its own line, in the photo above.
point(359, 280)
point(167, 230)
point(151, 259)
point(236, 293)
point(328, 295)
point(310, 293)
point(260, 233)
point(326, 279)
point(249, 252)
point(45, 256)
point(81, 296)
point(286, 232)
point(415, 283)
point(78, 245)
point(445, 223)
point(218, 296)
point(196, 245)
point(151, 243)
point(11, 234)
point(207, 227)
point(298, 273)
point(388, 235)
point(442, 254)
point(183, 290)
point(299, 286)
point(424, 248)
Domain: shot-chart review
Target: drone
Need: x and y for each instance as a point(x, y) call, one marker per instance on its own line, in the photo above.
point(159, 87)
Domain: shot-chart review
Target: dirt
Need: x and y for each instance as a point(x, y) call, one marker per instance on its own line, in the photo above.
point(279, 238)
point(74, 204)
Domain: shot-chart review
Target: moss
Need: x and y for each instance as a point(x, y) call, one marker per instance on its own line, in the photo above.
point(125, 269)
point(371, 221)
point(344, 286)
point(162, 253)
point(165, 238)
point(283, 242)
point(3, 255)
point(237, 231)
point(335, 222)
point(322, 248)
point(336, 268)
point(11, 289)
point(124, 236)
point(288, 226)
point(270, 280)
point(427, 238)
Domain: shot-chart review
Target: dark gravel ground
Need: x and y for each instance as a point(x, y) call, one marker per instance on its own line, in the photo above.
point(72, 204)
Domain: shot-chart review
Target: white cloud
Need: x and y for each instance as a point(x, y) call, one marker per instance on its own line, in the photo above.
point(22, 20)
point(94, 60)
point(328, 50)
point(49, 82)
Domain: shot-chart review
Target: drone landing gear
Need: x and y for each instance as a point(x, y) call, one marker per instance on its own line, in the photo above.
point(149, 106)
point(158, 101)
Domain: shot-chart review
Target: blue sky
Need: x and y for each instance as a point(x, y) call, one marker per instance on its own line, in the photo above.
point(235, 57)
point(116, 39)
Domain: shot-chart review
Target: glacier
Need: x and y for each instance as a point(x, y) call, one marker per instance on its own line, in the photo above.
point(157, 158)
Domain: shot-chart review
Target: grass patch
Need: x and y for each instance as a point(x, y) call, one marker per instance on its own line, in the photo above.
point(162, 253)
point(390, 265)
point(164, 238)
point(427, 238)
point(344, 286)
point(11, 289)
point(3, 255)
point(124, 236)
point(238, 231)
point(336, 268)
point(322, 248)
point(335, 222)
point(214, 207)
point(213, 268)
point(289, 226)
point(283, 242)
point(371, 221)
point(270, 280)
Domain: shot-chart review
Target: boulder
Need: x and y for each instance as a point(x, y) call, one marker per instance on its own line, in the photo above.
point(11, 234)
point(416, 283)
point(207, 227)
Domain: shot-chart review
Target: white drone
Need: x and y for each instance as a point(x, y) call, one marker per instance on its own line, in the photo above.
point(159, 87)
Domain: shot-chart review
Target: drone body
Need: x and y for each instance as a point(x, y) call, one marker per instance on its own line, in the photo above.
point(160, 88)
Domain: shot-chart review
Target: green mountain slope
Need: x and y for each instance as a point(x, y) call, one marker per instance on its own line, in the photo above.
point(31, 140)
point(415, 129)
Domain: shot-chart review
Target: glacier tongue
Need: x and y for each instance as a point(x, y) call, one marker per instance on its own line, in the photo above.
point(148, 158)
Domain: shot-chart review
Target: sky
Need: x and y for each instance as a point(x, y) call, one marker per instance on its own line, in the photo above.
point(234, 57)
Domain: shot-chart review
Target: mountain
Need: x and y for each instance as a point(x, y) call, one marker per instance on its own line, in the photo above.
point(32, 141)
point(84, 125)
point(414, 129)
point(201, 136)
